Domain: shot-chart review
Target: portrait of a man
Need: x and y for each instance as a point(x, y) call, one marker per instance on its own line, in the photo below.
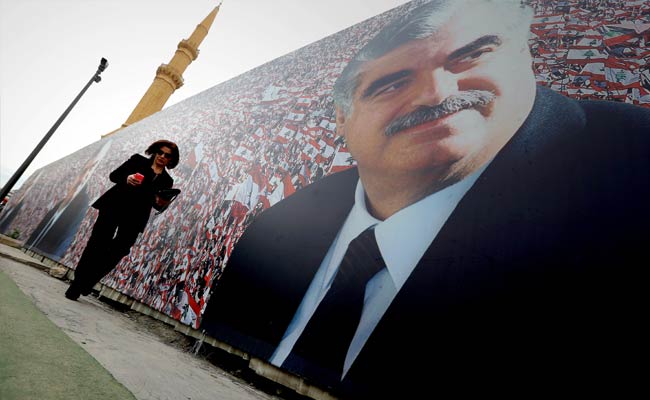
point(487, 239)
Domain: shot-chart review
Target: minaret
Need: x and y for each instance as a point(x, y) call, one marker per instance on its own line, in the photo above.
point(169, 77)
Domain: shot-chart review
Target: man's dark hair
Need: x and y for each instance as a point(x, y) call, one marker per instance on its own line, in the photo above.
point(418, 23)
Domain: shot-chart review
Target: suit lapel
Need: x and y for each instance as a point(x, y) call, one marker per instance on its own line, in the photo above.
point(313, 244)
point(480, 239)
point(290, 269)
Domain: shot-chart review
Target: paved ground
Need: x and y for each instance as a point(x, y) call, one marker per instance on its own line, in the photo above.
point(39, 361)
point(144, 355)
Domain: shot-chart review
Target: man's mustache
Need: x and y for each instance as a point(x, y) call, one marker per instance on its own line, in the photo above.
point(452, 104)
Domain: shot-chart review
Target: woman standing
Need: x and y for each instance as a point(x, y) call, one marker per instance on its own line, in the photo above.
point(123, 213)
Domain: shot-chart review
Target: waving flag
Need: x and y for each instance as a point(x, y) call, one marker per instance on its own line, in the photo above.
point(342, 161)
point(622, 78)
point(577, 56)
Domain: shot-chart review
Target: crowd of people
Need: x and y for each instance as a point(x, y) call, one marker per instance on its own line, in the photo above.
point(251, 141)
point(593, 49)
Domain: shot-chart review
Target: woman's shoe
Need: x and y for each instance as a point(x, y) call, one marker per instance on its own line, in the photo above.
point(72, 293)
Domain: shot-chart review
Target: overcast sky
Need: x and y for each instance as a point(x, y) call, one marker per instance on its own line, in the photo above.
point(49, 49)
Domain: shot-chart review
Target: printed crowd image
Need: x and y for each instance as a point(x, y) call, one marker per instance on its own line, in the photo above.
point(452, 195)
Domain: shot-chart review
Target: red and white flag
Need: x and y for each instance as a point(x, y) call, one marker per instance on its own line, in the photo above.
point(288, 186)
point(342, 161)
point(243, 153)
point(577, 56)
point(195, 155)
point(277, 194)
point(286, 134)
point(547, 19)
point(622, 78)
point(594, 69)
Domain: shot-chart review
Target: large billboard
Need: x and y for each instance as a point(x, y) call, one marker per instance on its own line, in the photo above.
point(487, 196)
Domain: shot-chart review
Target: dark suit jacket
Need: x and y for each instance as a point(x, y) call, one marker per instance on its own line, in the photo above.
point(131, 203)
point(534, 282)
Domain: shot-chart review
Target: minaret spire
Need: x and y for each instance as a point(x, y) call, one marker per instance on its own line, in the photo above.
point(169, 77)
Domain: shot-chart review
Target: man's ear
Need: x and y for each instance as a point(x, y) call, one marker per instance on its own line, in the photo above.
point(340, 122)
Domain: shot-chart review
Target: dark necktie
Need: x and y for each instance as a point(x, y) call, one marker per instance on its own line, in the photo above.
point(323, 345)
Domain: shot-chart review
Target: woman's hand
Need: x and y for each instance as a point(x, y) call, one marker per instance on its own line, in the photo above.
point(134, 179)
point(160, 202)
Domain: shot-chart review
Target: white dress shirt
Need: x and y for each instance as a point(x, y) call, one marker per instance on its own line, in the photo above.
point(402, 239)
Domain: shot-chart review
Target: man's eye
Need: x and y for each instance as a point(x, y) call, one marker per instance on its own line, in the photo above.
point(473, 56)
point(390, 88)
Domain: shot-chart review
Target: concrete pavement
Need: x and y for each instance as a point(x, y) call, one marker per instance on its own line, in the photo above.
point(38, 361)
point(56, 344)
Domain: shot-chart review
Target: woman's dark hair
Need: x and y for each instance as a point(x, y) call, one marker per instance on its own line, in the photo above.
point(157, 145)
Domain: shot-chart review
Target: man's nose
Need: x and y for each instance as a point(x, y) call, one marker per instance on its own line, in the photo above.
point(436, 85)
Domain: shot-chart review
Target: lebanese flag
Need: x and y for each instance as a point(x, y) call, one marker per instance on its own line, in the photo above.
point(544, 52)
point(577, 27)
point(313, 130)
point(304, 102)
point(576, 56)
point(316, 143)
point(195, 156)
point(547, 19)
point(272, 93)
point(320, 159)
point(641, 95)
point(243, 153)
point(310, 150)
point(618, 63)
point(342, 161)
point(286, 134)
point(186, 311)
point(214, 171)
point(328, 125)
point(327, 151)
point(289, 188)
point(259, 185)
point(619, 95)
point(328, 140)
point(295, 116)
point(539, 33)
point(305, 175)
point(613, 35)
point(194, 306)
point(594, 69)
point(277, 195)
point(580, 92)
point(622, 78)
point(586, 43)
point(242, 192)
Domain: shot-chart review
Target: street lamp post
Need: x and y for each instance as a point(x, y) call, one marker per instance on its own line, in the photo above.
point(14, 178)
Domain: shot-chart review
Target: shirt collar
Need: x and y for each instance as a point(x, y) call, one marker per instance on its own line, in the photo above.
point(404, 237)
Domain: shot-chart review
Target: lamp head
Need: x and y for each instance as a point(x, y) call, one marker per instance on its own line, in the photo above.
point(103, 64)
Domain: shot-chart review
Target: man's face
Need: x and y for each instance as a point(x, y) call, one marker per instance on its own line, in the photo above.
point(473, 56)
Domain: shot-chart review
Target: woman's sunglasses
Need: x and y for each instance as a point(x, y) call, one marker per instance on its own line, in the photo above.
point(164, 154)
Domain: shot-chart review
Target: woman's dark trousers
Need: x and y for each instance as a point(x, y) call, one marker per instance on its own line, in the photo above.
point(110, 240)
